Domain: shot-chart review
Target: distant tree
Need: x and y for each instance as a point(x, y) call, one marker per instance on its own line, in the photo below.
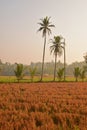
point(77, 72)
point(0, 70)
point(56, 49)
point(83, 74)
point(32, 72)
point(19, 71)
point(45, 26)
point(85, 57)
point(60, 74)
point(64, 60)
point(64, 50)
point(1, 61)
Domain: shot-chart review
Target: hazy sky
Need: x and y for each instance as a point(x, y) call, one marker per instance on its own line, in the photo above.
point(19, 40)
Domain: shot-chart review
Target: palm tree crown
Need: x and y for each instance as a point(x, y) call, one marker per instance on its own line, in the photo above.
point(45, 26)
point(56, 48)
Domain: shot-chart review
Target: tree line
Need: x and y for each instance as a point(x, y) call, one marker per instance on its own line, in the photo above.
point(34, 69)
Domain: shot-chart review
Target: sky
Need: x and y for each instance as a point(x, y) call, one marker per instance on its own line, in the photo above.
point(19, 40)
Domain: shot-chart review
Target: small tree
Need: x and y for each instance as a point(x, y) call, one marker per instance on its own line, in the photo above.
point(32, 72)
point(19, 71)
point(60, 73)
point(82, 74)
point(77, 73)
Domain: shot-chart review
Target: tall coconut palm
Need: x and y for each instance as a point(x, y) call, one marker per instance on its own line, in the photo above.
point(45, 27)
point(56, 48)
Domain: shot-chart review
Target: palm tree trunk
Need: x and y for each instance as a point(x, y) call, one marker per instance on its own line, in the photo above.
point(43, 57)
point(64, 62)
point(55, 67)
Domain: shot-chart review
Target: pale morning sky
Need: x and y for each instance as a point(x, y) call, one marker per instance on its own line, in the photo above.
point(19, 40)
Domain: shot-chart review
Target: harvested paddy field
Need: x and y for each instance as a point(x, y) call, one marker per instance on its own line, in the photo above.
point(43, 106)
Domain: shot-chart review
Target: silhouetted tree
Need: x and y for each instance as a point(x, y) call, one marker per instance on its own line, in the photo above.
point(32, 71)
point(60, 73)
point(56, 49)
point(19, 71)
point(77, 73)
point(45, 27)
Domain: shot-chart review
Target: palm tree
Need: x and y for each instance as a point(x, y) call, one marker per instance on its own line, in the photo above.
point(56, 48)
point(45, 26)
point(32, 72)
point(64, 60)
point(63, 46)
point(19, 71)
point(60, 73)
point(77, 72)
point(83, 75)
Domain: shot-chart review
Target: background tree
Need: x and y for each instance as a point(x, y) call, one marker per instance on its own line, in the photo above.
point(32, 72)
point(63, 46)
point(0, 70)
point(56, 49)
point(85, 66)
point(83, 74)
point(60, 73)
point(64, 59)
point(19, 71)
point(77, 72)
point(45, 27)
point(85, 57)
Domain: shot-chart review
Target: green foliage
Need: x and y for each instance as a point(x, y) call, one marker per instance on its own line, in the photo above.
point(77, 72)
point(19, 71)
point(56, 47)
point(60, 73)
point(8, 69)
point(83, 74)
point(32, 72)
point(45, 26)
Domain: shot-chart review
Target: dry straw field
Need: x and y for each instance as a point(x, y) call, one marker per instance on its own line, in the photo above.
point(43, 106)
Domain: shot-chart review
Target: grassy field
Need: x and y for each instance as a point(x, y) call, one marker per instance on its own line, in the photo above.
point(26, 79)
point(43, 106)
